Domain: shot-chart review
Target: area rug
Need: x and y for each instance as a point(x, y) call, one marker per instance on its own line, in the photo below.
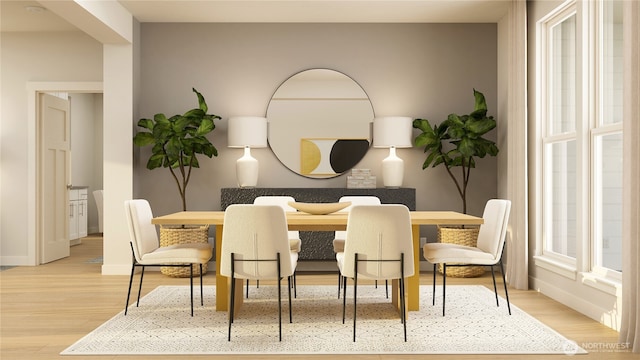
point(161, 325)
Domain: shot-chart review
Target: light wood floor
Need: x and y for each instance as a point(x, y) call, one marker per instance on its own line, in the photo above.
point(45, 309)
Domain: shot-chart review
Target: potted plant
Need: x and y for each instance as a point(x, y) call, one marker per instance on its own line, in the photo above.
point(456, 143)
point(176, 143)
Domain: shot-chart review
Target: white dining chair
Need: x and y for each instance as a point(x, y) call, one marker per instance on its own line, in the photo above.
point(256, 247)
point(146, 250)
point(294, 236)
point(487, 252)
point(379, 246)
point(340, 236)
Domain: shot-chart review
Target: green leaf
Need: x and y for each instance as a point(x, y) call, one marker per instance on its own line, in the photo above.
point(146, 123)
point(481, 126)
point(422, 124)
point(143, 139)
point(201, 102)
point(206, 126)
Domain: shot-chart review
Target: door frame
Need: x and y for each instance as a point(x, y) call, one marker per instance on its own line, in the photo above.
point(33, 89)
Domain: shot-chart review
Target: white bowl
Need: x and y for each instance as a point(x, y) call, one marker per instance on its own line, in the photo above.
point(319, 208)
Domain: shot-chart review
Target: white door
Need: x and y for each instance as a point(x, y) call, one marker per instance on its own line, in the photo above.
point(54, 178)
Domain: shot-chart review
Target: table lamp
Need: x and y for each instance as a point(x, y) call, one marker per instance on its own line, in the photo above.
point(247, 132)
point(392, 132)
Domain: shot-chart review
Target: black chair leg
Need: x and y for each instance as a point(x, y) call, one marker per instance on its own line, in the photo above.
point(140, 286)
point(495, 289)
point(504, 281)
point(232, 297)
point(344, 297)
point(433, 294)
point(290, 314)
point(444, 286)
point(355, 301)
point(126, 305)
point(191, 286)
point(339, 283)
point(201, 292)
point(280, 299)
point(386, 287)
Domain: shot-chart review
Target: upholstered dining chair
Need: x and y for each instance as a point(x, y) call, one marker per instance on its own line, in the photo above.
point(256, 247)
point(487, 252)
point(146, 250)
point(379, 247)
point(294, 236)
point(340, 236)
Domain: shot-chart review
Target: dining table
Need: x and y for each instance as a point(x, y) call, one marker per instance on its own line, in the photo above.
point(329, 222)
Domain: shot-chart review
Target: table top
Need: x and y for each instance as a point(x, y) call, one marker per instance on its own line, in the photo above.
point(303, 221)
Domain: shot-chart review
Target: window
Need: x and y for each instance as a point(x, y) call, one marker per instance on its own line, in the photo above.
point(559, 138)
point(606, 137)
point(581, 136)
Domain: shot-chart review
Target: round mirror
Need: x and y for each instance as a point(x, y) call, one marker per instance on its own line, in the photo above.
point(320, 123)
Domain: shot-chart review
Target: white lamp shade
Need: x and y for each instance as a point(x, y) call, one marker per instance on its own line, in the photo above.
point(392, 131)
point(248, 131)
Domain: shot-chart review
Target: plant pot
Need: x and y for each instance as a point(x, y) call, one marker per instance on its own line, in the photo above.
point(467, 236)
point(172, 235)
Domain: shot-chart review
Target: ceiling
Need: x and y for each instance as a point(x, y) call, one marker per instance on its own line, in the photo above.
point(20, 15)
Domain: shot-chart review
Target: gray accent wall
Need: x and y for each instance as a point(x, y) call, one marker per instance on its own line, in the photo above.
point(416, 70)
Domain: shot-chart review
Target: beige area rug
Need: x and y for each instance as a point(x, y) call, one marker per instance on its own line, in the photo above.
point(473, 325)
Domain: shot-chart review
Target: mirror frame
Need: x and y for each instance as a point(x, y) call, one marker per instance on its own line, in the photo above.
point(332, 100)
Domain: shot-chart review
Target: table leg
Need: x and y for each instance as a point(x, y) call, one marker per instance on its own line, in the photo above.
point(222, 286)
point(412, 283)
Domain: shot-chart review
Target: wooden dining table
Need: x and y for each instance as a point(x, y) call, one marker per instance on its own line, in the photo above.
point(331, 222)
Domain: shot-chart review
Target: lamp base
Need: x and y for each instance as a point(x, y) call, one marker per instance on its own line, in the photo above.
point(247, 170)
point(392, 170)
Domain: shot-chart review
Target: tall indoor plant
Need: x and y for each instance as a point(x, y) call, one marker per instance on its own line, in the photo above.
point(456, 142)
point(177, 141)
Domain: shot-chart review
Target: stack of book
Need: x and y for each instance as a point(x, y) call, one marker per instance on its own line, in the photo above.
point(361, 179)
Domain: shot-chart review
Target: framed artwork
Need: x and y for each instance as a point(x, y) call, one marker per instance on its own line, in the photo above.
point(322, 157)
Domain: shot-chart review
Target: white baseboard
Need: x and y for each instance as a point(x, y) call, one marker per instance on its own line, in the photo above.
point(607, 317)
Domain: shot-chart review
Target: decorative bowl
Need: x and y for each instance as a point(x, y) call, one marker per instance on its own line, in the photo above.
point(319, 208)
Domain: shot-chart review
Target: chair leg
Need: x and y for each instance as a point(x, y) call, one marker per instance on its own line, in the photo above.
point(280, 299)
point(247, 288)
point(504, 281)
point(201, 292)
point(495, 289)
point(295, 285)
point(433, 294)
point(191, 286)
point(355, 301)
point(140, 286)
point(233, 297)
point(444, 286)
point(386, 287)
point(339, 283)
point(126, 305)
point(344, 297)
point(403, 305)
point(290, 315)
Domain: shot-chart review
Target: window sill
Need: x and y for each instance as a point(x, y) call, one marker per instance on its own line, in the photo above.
point(557, 267)
point(606, 285)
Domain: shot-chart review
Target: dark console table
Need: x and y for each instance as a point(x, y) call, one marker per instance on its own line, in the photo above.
point(317, 245)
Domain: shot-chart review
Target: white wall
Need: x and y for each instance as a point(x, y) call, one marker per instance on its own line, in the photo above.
point(31, 57)
point(417, 70)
